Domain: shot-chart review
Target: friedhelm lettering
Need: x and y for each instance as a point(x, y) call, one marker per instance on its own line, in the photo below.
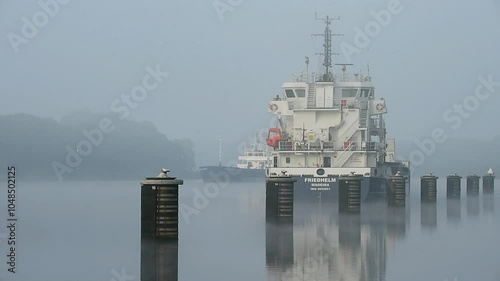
point(320, 180)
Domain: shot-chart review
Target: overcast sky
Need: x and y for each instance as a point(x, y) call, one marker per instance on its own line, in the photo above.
point(223, 68)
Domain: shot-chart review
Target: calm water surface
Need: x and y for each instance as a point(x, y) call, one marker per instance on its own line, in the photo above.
point(91, 231)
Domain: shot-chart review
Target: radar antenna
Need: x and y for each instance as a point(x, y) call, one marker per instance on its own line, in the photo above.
point(327, 53)
point(344, 69)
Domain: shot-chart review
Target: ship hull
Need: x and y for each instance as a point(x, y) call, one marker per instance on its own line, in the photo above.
point(231, 174)
point(326, 189)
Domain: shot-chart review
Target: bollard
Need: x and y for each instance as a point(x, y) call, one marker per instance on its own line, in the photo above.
point(473, 185)
point(350, 193)
point(489, 182)
point(397, 190)
point(160, 206)
point(453, 186)
point(279, 197)
point(428, 188)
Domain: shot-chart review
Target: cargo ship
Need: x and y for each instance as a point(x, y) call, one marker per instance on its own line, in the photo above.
point(329, 125)
point(250, 167)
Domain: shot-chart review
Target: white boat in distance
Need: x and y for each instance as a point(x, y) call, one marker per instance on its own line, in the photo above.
point(250, 167)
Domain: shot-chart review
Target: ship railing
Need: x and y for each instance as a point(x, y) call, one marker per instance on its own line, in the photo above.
point(340, 77)
point(326, 146)
point(305, 146)
point(356, 146)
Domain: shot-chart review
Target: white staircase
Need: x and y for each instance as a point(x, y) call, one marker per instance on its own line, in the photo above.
point(342, 157)
point(349, 132)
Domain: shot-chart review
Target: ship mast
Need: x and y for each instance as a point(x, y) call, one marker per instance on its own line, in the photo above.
point(327, 52)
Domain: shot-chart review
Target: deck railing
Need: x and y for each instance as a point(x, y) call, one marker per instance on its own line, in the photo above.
point(326, 146)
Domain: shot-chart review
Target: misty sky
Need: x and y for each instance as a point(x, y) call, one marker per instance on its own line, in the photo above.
point(223, 72)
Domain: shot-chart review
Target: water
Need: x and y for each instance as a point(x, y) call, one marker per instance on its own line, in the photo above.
point(91, 231)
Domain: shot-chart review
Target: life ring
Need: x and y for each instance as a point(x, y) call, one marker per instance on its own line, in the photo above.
point(273, 107)
point(380, 106)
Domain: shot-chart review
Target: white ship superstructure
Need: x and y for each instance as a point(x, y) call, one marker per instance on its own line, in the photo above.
point(256, 157)
point(330, 125)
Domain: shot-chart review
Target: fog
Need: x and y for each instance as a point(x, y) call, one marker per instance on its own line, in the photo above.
point(225, 61)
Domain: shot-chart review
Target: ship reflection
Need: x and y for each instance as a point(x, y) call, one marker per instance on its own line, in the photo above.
point(324, 244)
point(159, 260)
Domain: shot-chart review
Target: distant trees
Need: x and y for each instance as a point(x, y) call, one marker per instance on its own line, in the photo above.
point(43, 148)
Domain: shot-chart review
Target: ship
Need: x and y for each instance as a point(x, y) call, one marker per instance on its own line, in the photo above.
point(330, 125)
point(250, 167)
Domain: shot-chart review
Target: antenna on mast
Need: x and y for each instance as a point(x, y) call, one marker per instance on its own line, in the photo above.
point(220, 150)
point(307, 69)
point(344, 69)
point(327, 53)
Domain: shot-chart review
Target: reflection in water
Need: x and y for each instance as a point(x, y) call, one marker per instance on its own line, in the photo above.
point(159, 260)
point(453, 210)
point(279, 244)
point(326, 245)
point(428, 215)
point(472, 205)
point(488, 204)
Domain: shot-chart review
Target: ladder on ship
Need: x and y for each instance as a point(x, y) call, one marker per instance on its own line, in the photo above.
point(311, 96)
point(363, 117)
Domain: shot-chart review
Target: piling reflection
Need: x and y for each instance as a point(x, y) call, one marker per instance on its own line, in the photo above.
point(159, 260)
point(279, 244)
point(453, 210)
point(489, 204)
point(327, 245)
point(473, 205)
point(428, 216)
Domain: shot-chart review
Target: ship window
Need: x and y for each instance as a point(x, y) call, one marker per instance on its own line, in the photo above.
point(289, 94)
point(364, 93)
point(301, 93)
point(288, 160)
point(349, 93)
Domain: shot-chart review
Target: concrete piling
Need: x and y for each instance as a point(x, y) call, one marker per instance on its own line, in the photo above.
point(473, 203)
point(488, 192)
point(397, 190)
point(453, 186)
point(350, 193)
point(489, 182)
point(160, 206)
point(279, 197)
point(428, 188)
point(473, 185)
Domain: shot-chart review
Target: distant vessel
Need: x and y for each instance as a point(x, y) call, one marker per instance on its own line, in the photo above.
point(250, 167)
point(331, 125)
